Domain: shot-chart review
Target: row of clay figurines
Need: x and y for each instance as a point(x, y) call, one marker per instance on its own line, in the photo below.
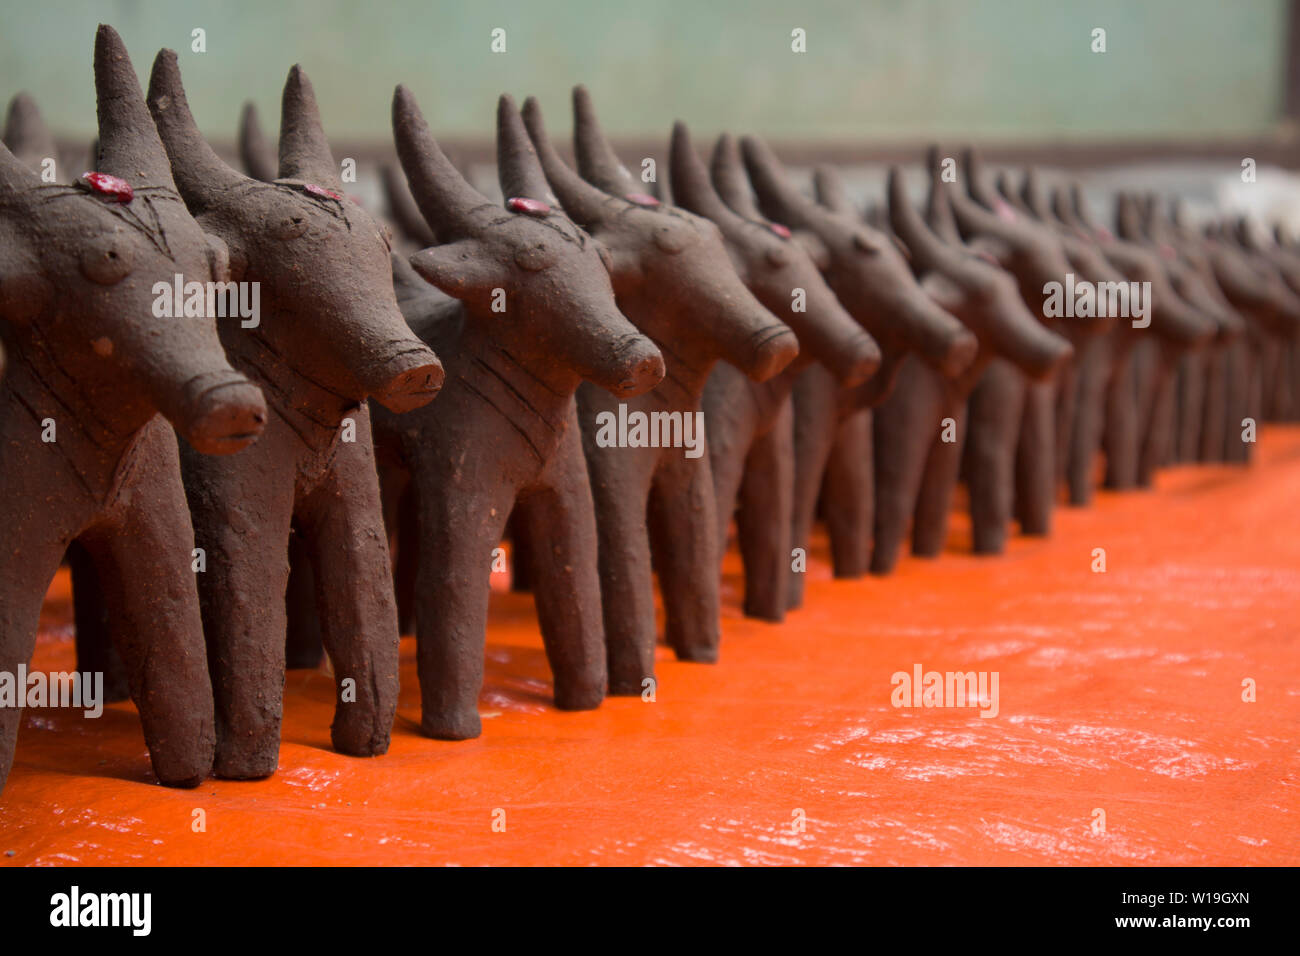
point(865, 363)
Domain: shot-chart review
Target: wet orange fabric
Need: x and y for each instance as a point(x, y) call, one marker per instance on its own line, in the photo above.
point(1119, 692)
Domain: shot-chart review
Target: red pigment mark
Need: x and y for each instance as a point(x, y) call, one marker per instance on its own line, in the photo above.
point(642, 199)
point(533, 207)
point(322, 192)
point(1105, 235)
point(988, 257)
point(117, 189)
point(1004, 211)
point(780, 230)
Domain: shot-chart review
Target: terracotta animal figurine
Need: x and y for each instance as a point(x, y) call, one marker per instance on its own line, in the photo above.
point(534, 316)
point(674, 280)
point(87, 454)
point(31, 142)
point(1179, 324)
point(1253, 286)
point(750, 424)
point(872, 280)
point(919, 429)
point(1155, 360)
point(1083, 384)
point(1009, 457)
point(330, 336)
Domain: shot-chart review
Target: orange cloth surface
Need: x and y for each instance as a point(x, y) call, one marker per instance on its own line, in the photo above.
point(1119, 692)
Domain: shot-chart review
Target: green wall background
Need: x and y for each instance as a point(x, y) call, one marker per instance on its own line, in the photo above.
point(875, 69)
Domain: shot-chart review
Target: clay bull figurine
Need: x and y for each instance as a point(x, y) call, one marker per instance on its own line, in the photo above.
point(92, 361)
point(533, 316)
point(750, 424)
point(330, 336)
point(674, 280)
point(873, 281)
point(31, 142)
point(916, 464)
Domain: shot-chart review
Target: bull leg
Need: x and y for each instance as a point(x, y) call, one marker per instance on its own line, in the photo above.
point(560, 520)
point(730, 423)
point(1216, 406)
point(815, 418)
point(766, 498)
point(1067, 402)
point(143, 548)
point(1095, 365)
point(1191, 403)
point(343, 532)
point(620, 486)
point(461, 520)
point(934, 503)
point(241, 507)
point(904, 427)
point(1121, 435)
point(27, 565)
point(849, 496)
point(996, 408)
point(682, 535)
point(1035, 483)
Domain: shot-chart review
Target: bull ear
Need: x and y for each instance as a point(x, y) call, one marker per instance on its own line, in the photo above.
point(402, 208)
point(14, 176)
point(518, 169)
point(304, 151)
point(26, 134)
point(202, 178)
point(584, 203)
point(458, 268)
point(777, 196)
point(257, 154)
point(729, 179)
point(597, 162)
point(938, 210)
point(128, 139)
point(926, 249)
point(448, 203)
point(830, 191)
point(690, 180)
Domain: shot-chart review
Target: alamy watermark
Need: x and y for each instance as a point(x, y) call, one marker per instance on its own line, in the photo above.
point(922, 688)
point(208, 300)
point(56, 689)
point(1085, 300)
point(638, 429)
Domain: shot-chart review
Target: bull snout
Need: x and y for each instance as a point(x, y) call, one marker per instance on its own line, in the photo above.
point(1047, 353)
point(855, 361)
point(638, 368)
point(774, 348)
point(407, 381)
point(957, 352)
point(222, 417)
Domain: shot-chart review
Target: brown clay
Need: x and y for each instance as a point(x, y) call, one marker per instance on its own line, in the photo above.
point(674, 280)
point(1177, 323)
point(31, 142)
point(916, 469)
point(505, 434)
point(750, 424)
point(1009, 456)
point(77, 274)
point(331, 335)
point(873, 281)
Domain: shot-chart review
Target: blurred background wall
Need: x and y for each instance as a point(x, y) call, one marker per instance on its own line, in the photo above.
point(885, 71)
